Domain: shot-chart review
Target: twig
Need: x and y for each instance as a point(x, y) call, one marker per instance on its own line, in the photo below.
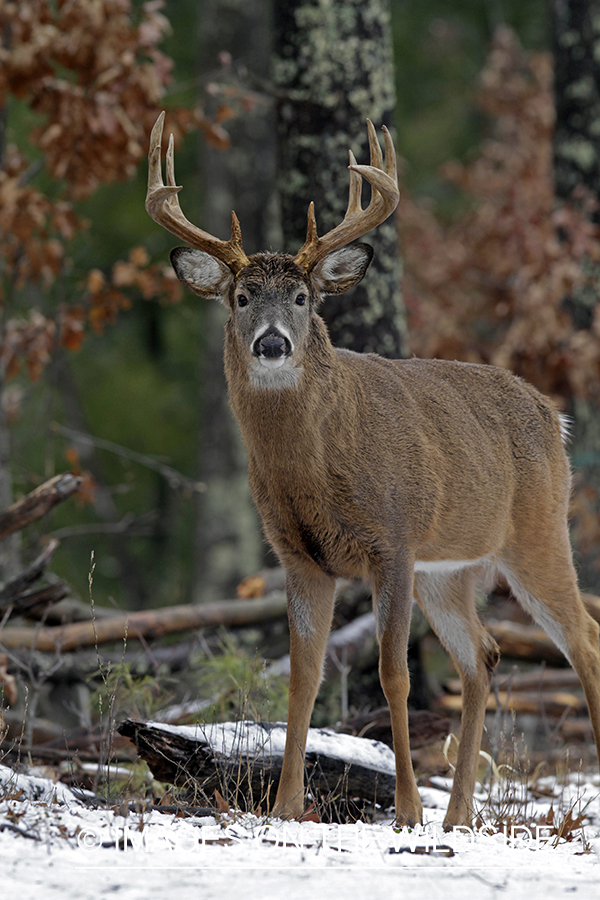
point(37, 503)
point(8, 826)
point(174, 479)
point(128, 525)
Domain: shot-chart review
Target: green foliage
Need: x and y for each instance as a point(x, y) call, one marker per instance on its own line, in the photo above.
point(236, 683)
point(128, 695)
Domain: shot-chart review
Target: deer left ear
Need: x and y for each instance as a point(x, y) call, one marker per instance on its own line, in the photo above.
point(202, 273)
point(343, 269)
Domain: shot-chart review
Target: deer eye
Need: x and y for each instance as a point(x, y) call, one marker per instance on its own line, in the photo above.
point(242, 300)
point(301, 299)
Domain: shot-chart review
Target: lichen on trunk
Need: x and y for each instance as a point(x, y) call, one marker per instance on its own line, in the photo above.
point(333, 68)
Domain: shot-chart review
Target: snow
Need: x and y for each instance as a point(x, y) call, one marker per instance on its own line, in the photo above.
point(53, 845)
point(255, 740)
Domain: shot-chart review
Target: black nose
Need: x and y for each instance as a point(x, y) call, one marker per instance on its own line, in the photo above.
point(271, 345)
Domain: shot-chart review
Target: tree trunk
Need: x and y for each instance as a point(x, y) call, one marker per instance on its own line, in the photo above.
point(577, 164)
point(228, 542)
point(333, 69)
point(577, 94)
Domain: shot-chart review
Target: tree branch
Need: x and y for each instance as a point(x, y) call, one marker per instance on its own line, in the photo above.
point(38, 503)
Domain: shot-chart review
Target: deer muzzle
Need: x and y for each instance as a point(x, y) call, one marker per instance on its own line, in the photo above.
point(272, 347)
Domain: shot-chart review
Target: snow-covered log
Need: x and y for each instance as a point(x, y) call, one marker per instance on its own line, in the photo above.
point(243, 760)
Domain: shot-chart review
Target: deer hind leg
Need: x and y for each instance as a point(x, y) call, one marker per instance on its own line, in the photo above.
point(310, 599)
point(448, 602)
point(392, 601)
point(542, 578)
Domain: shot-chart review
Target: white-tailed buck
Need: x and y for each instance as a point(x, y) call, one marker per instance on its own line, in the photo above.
point(422, 475)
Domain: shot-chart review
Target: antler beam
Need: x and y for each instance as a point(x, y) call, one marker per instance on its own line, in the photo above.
point(357, 221)
point(162, 205)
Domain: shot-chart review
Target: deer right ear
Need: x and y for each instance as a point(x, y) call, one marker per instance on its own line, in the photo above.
point(202, 273)
point(342, 269)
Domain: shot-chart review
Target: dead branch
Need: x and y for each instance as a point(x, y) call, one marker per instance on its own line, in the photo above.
point(540, 679)
point(424, 727)
point(524, 642)
point(38, 503)
point(29, 575)
point(176, 480)
point(592, 604)
point(29, 600)
point(147, 624)
point(553, 703)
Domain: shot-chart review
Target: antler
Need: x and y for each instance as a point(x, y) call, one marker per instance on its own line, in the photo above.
point(162, 204)
point(357, 221)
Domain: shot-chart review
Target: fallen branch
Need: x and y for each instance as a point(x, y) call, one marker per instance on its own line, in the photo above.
point(175, 480)
point(424, 727)
point(38, 503)
point(553, 703)
point(524, 642)
point(19, 601)
point(146, 624)
point(29, 600)
point(29, 575)
point(540, 679)
point(350, 637)
point(592, 604)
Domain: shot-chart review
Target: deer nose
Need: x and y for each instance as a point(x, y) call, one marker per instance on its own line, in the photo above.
point(272, 345)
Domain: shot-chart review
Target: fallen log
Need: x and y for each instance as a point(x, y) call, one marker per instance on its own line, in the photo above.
point(540, 679)
point(243, 762)
point(144, 624)
point(38, 503)
point(524, 642)
point(424, 727)
point(349, 638)
point(592, 604)
point(577, 730)
point(551, 703)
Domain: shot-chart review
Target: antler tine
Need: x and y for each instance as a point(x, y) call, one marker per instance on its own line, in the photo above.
point(355, 188)
point(391, 166)
point(162, 205)
point(357, 221)
point(374, 148)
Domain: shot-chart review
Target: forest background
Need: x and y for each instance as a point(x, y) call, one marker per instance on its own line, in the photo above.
point(109, 370)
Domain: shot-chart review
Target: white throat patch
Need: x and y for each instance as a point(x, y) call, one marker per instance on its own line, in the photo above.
point(275, 378)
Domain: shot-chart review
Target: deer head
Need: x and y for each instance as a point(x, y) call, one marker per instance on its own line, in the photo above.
point(272, 297)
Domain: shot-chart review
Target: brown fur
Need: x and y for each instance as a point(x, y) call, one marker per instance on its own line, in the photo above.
point(369, 465)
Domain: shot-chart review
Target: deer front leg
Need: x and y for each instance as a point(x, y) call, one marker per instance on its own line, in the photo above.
point(310, 598)
point(393, 607)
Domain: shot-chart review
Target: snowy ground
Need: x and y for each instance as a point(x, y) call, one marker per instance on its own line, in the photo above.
point(53, 845)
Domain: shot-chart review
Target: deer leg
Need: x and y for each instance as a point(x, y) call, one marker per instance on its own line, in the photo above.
point(543, 580)
point(393, 605)
point(310, 599)
point(449, 604)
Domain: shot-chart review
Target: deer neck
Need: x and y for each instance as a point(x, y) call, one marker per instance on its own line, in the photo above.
point(292, 417)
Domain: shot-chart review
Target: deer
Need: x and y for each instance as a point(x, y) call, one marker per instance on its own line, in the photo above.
point(427, 477)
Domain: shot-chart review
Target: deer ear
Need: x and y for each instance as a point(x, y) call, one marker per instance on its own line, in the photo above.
point(202, 273)
point(343, 269)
